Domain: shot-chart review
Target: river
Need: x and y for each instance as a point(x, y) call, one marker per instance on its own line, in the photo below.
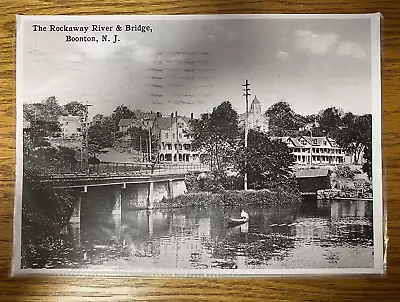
point(311, 234)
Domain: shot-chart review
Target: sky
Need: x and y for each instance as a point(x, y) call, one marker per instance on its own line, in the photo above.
point(194, 65)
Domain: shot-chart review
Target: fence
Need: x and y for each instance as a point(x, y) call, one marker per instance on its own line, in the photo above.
point(126, 169)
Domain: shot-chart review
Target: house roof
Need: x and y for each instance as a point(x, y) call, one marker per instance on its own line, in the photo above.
point(163, 123)
point(255, 101)
point(316, 140)
point(306, 173)
point(69, 118)
point(129, 122)
point(125, 122)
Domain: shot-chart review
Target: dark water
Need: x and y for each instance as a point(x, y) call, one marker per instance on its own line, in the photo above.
point(307, 235)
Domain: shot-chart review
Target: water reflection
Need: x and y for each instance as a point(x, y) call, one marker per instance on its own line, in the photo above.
point(307, 235)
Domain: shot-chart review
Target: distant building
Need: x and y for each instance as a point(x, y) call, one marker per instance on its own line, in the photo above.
point(147, 118)
point(256, 119)
point(70, 125)
point(174, 145)
point(309, 126)
point(125, 124)
point(309, 150)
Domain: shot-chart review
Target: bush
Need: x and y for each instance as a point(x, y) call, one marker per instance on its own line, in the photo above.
point(236, 198)
point(118, 134)
point(345, 172)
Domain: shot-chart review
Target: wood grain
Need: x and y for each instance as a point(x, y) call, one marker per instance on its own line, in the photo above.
point(124, 289)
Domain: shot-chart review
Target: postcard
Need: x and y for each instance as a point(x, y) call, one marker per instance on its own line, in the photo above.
point(201, 145)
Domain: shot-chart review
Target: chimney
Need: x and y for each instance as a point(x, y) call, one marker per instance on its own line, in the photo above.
point(191, 116)
point(172, 115)
point(159, 114)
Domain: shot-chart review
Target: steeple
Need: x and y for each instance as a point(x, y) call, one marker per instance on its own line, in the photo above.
point(255, 106)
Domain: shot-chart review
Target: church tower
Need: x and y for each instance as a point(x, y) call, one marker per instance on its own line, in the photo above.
point(255, 106)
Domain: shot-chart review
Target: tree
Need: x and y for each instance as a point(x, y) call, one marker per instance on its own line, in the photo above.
point(121, 112)
point(216, 134)
point(330, 121)
point(283, 120)
point(74, 108)
point(267, 162)
point(100, 136)
point(367, 166)
point(47, 110)
point(139, 136)
point(355, 134)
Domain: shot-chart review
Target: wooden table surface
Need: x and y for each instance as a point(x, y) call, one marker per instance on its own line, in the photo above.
point(125, 289)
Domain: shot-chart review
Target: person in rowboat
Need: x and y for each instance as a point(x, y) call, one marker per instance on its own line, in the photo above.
point(244, 214)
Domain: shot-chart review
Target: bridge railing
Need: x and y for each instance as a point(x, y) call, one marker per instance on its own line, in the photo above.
point(122, 169)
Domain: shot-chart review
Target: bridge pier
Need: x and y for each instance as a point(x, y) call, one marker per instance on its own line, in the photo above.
point(76, 214)
point(170, 189)
point(117, 200)
point(150, 198)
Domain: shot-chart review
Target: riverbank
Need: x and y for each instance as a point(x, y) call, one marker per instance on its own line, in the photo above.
point(348, 183)
point(235, 198)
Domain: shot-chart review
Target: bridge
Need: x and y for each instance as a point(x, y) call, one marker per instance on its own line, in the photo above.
point(112, 187)
point(106, 173)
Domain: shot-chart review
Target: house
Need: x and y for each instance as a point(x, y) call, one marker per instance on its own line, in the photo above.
point(256, 119)
point(125, 124)
point(147, 118)
point(174, 145)
point(70, 125)
point(310, 150)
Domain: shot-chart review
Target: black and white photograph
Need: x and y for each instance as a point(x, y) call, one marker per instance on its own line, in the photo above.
point(224, 145)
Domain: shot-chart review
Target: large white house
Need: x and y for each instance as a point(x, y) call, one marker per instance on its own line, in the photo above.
point(174, 145)
point(70, 125)
point(309, 150)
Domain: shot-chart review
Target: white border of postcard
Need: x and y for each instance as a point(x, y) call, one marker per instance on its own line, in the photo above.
point(379, 232)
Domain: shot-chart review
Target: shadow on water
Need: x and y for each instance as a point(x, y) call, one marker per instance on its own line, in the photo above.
point(200, 238)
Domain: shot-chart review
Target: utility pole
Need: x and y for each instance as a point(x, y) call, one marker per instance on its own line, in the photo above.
point(86, 137)
point(150, 157)
point(246, 90)
point(140, 147)
point(311, 148)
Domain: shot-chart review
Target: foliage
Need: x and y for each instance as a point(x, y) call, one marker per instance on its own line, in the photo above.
point(345, 172)
point(283, 121)
point(139, 136)
point(355, 134)
point(100, 136)
point(48, 110)
point(330, 121)
point(216, 134)
point(214, 181)
point(236, 198)
point(121, 112)
point(119, 134)
point(264, 160)
point(367, 166)
point(74, 108)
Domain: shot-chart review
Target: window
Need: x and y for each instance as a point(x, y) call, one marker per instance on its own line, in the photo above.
point(173, 135)
point(180, 135)
point(166, 134)
point(324, 143)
